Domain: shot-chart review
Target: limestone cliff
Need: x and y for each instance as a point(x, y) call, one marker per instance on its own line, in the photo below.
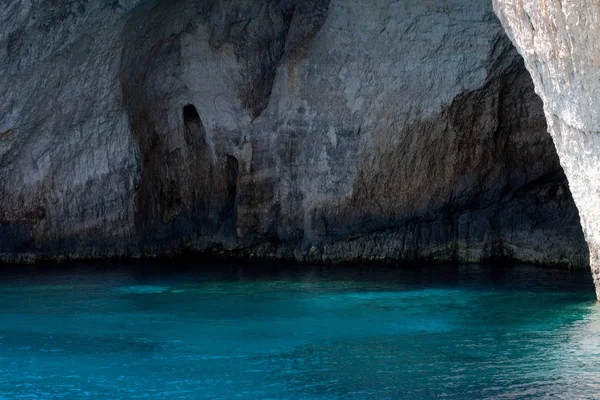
point(311, 130)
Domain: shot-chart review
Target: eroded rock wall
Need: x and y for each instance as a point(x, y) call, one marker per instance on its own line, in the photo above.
point(310, 130)
point(560, 42)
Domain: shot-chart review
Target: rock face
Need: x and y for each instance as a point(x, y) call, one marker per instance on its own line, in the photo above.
point(310, 130)
point(560, 42)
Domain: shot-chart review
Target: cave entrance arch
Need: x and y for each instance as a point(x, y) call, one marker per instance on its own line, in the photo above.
point(568, 86)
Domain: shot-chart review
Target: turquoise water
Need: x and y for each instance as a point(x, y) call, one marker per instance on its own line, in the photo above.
point(259, 332)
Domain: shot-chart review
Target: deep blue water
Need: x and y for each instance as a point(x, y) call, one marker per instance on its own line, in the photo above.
point(264, 332)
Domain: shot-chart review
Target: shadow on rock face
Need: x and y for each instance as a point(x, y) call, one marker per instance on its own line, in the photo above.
point(479, 181)
point(187, 184)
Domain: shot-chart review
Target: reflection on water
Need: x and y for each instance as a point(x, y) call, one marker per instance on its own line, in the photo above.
point(294, 332)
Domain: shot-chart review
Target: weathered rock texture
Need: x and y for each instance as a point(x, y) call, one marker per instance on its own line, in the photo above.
point(311, 130)
point(560, 41)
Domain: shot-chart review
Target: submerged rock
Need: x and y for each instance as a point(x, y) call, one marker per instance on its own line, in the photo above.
point(310, 130)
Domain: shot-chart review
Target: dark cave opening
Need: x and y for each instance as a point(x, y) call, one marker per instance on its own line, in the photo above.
point(190, 114)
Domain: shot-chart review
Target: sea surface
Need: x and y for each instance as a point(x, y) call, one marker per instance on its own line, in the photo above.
point(279, 332)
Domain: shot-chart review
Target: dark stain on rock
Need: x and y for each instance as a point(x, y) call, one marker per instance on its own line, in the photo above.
point(185, 190)
point(266, 34)
point(308, 18)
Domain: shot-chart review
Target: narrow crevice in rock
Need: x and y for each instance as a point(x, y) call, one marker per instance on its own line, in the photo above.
point(191, 116)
